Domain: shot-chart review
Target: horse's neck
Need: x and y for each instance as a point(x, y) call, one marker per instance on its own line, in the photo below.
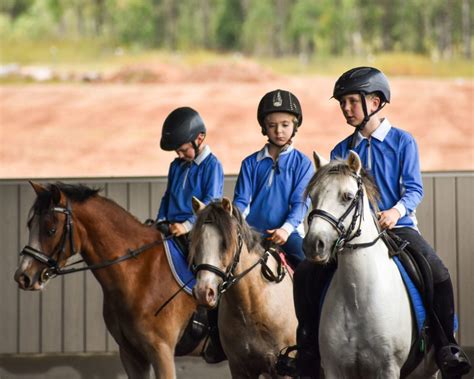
point(248, 289)
point(363, 265)
point(108, 232)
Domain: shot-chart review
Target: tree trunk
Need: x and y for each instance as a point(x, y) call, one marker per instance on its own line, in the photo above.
point(466, 28)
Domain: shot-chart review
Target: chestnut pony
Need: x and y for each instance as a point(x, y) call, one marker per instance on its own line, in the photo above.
point(256, 312)
point(67, 220)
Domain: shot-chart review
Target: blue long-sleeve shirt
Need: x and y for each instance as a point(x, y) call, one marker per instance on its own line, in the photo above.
point(271, 194)
point(390, 155)
point(203, 178)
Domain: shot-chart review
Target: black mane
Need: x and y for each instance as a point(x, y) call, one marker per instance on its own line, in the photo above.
point(74, 192)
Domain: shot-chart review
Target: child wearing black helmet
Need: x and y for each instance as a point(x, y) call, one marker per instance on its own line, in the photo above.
point(195, 172)
point(390, 155)
point(271, 183)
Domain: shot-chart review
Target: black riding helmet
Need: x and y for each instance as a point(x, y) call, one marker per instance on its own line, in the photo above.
point(181, 126)
point(279, 101)
point(363, 81)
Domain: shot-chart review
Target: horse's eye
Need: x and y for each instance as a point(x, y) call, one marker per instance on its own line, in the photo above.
point(347, 196)
point(51, 232)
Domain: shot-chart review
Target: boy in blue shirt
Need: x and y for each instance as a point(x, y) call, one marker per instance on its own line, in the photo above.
point(390, 155)
point(196, 172)
point(271, 183)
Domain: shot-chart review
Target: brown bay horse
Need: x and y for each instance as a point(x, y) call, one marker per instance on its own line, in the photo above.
point(67, 220)
point(256, 316)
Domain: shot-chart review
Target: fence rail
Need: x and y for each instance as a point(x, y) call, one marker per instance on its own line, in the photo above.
point(67, 316)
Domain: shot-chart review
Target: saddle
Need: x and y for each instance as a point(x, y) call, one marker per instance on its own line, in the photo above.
point(415, 266)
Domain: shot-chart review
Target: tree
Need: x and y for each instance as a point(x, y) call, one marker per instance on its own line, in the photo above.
point(229, 25)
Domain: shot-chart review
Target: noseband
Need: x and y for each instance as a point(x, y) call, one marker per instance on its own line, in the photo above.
point(67, 236)
point(347, 235)
point(229, 278)
point(53, 269)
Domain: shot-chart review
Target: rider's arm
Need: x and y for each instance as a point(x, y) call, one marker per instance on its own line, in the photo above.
point(243, 187)
point(299, 204)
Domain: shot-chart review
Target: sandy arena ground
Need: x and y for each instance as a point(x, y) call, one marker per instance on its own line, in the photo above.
point(113, 129)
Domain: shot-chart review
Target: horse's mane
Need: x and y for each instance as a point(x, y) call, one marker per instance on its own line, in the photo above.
point(215, 214)
point(341, 168)
point(78, 193)
point(75, 192)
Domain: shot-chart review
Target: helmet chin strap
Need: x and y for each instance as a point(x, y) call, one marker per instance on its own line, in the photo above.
point(366, 119)
point(196, 147)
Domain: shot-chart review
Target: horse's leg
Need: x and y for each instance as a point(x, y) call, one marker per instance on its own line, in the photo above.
point(238, 371)
point(135, 367)
point(163, 362)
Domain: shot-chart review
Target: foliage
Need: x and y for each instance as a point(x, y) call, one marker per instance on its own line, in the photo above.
point(304, 28)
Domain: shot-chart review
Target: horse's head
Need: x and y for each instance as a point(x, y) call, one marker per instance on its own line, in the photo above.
point(337, 193)
point(216, 244)
point(53, 237)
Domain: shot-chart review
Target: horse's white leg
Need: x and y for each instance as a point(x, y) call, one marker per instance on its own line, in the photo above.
point(163, 362)
point(136, 368)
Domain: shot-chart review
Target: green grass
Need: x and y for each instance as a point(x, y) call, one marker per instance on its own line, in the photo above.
point(105, 56)
point(393, 64)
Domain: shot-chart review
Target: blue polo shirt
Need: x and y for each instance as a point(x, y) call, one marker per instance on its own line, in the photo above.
point(271, 194)
point(390, 155)
point(203, 178)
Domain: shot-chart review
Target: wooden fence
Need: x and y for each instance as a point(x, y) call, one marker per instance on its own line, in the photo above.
point(67, 316)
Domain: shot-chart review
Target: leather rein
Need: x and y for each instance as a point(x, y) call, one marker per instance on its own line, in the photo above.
point(229, 278)
point(54, 268)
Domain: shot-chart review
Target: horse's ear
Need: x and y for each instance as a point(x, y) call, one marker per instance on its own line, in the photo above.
point(198, 205)
point(354, 162)
point(227, 205)
point(37, 187)
point(319, 161)
point(57, 194)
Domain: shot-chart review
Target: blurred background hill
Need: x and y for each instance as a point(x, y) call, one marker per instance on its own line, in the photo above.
point(97, 77)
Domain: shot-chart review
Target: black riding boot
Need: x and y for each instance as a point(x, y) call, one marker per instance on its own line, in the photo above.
point(213, 352)
point(309, 282)
point(451, 359)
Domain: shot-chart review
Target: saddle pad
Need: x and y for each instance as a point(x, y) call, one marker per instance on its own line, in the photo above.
point(179, 265)
point(415, 296)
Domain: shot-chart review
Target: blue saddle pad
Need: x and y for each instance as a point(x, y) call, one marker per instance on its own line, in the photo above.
point(179, 266)
point(415, 296)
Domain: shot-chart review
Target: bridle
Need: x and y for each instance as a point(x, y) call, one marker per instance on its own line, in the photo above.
point(53, 265)
point(347, 235)
point(229, 278)
point(53, 268)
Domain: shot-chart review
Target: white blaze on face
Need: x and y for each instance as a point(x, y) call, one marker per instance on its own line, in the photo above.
point(33, 241)
point(207, 285)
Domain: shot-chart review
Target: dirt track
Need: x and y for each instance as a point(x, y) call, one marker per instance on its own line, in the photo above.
point(88, 130)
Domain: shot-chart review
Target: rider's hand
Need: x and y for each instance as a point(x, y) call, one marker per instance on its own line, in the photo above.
point(177, 229)
point(278, 236)
point(389, 218)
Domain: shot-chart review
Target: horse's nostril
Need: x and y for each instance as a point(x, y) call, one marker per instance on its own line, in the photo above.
point(210, 295)
point(24, 281)
point(320, 245)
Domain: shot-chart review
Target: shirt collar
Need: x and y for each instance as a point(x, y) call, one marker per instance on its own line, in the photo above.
point(262, 154)
point(204, 154)
point(380, 133)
